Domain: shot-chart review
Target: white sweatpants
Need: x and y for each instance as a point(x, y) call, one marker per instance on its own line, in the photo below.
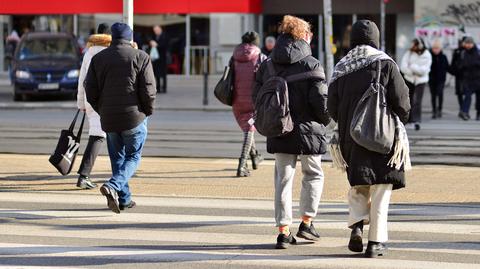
point(312, 186)
point(370, 204)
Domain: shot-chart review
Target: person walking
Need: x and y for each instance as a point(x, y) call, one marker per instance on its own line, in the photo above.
point(415, 66)
point(469, 66)
point(269, 45)
point(368, 172)
point(159, 41)
point(96, 136)
point(120, 86)
point(308, 108)
point(437, 78)
point(246, 60)
point(453, 69)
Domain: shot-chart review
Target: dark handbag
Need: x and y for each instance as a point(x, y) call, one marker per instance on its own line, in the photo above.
point(67, 148)
point(373, 123)
point(224, 88)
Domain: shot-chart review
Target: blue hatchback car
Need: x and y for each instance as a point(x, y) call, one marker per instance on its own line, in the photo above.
point(45, 64)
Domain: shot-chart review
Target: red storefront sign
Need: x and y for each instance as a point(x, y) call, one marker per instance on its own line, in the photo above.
point(140, 6)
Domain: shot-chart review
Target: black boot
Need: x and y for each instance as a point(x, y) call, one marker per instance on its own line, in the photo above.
point(242, 170)
point(375, 249)
point(478, 115)
point(256, 159)
point(434, 114)
point(356, 243)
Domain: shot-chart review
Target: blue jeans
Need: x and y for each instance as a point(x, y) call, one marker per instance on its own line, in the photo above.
point(125, 150)
point(470, 89)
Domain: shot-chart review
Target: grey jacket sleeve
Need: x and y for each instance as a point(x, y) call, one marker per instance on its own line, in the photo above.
point(92, 89)
point(147, 91)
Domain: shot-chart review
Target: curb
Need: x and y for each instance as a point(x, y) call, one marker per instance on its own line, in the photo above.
point(32, 106)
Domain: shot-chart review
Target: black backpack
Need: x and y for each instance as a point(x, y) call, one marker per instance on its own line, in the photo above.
point(272, 111)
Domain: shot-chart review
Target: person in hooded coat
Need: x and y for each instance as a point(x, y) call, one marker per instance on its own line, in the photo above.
point(308, 108)
point(246, 59)
point(469, 66)
point(95, 44)
point(368, 173)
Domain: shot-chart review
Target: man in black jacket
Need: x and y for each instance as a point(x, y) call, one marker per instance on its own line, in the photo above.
point(120, 86)
point(469, 66)
point(160, 42)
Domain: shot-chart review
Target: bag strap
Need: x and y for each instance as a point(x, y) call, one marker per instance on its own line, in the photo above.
point(80, 129)
point(271, 68)
point(379, 71)
point(306, 75)
point(72, 125)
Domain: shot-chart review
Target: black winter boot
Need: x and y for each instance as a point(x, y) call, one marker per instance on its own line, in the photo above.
point(356, 243)
point(242, 170)
point(375, 249)
point(256, 157)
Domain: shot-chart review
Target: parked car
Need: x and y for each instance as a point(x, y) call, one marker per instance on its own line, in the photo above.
point(45, 64)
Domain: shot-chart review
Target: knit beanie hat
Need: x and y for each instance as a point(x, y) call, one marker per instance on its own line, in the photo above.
point(365, 32)
point(122, 31)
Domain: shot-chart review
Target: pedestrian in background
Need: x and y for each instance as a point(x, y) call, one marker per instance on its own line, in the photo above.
point(246, 59)
point(120, 86)
point(96, 136)
point(437, 78)
point(308, 109)
point(269, 45)
point(469, 66)
point(160, 42)
point(415, 67)
point(453, 69)
point(371, 178)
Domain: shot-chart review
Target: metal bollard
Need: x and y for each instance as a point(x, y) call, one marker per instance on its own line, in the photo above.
point(205, 88)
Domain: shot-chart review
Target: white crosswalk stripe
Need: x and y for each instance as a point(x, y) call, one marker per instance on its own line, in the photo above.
point(72, 231)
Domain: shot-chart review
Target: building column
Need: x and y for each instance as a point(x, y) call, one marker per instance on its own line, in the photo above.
point(187, 45)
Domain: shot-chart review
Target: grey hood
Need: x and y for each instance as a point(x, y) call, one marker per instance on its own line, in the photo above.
point(289, 51)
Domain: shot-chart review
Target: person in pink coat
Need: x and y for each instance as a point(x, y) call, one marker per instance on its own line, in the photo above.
point(247, 57)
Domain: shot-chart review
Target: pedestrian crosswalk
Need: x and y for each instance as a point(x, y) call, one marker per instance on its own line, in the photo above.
point(76, 230)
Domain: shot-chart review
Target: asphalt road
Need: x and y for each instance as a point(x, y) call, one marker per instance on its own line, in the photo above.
point(182, 128)
point(76, 231)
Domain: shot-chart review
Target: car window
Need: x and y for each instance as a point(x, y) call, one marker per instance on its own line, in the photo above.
point(39, 48)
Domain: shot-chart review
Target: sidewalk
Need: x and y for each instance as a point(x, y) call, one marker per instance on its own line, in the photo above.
point(214, 178)
point(184, 94)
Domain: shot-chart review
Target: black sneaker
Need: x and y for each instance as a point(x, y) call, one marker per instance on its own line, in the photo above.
point(283, 241)
point(130, 205)
point(356, 243)
point(375, 249)
point(112, 198)
point(85, 183)
point(308, 232)
point(417, 126)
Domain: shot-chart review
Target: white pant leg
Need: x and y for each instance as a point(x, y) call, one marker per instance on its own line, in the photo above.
point(359, 204)
point(312, 184)
point(380, 196)
point(284, 174)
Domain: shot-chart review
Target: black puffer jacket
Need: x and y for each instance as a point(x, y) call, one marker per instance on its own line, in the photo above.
point(308, 98)
point(438, 71)
point(120, 86)
point(469, 66)
point(367, 167)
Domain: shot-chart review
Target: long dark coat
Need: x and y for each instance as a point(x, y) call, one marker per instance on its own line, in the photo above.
point(367, 167)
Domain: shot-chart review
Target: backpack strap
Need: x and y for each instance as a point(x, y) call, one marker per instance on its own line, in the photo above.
point(306, 75)
point(379, 71)
point(271, 68)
